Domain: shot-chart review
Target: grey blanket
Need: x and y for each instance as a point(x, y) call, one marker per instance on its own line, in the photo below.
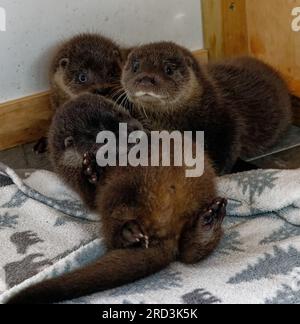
point(45, 231)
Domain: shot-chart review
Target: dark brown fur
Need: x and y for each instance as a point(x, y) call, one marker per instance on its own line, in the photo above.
point(96, 57)
point(178, 214)
point(82, 119)
point(99, 58)
point(243, 105)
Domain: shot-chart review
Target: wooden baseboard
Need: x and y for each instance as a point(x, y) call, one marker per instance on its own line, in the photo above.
point(24, 120)
point(201, 55)
point(27, 119)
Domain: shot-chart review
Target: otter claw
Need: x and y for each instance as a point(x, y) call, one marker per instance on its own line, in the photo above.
point(90, 170)
point(217, 210)
point(94, 179)
point(132, 234)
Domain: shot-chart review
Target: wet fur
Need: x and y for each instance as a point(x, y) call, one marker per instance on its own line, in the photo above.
point(169, 207)
point(243, 105)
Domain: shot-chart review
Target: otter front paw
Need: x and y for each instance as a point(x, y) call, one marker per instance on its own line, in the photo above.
point(215, 213)
point(90, 168)
point(133, 235)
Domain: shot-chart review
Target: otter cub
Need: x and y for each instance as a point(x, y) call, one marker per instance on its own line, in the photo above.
point(150, 216)
point(85, 63)
point(242, 104)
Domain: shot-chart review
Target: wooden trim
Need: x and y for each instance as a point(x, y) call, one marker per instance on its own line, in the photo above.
point(27, 119)
point(201, 55)
point(24, 120)
point(225, 28)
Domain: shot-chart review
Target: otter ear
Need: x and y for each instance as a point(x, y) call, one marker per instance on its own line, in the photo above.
point(189, 61)
point(117, 54)
point(123, 55)
point(64, 62)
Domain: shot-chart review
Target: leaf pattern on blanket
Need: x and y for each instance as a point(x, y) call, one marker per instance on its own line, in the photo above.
point(23, 240)
point(285, 232)
point(164, 280)
point(17, 272)
point(200, 297)
point(282, 262)
point(231, 243)
point(16, 201)
point(256, 183)
point(8, 221)
point(285, 296)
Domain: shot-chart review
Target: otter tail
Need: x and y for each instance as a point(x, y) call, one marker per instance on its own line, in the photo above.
point(116, 268)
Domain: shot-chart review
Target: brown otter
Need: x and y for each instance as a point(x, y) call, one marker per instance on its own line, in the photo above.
point(150, 216)
point(85, 63)
point(242, 104)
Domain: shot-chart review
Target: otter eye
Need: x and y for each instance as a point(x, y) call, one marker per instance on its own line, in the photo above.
point(170, 69)
point(135, 66)
point(82, 78)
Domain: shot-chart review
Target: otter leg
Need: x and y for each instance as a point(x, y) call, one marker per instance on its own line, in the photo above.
point(201, 237)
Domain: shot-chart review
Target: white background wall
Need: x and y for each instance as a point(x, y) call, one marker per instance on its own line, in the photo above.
point(34, 27)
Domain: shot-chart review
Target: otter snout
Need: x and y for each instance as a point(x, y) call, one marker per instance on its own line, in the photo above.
point(147, 80)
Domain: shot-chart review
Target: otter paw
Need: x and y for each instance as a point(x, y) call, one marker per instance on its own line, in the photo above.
point(90, 168)
point(216, 212)
point(41, 146)
point(133, 235)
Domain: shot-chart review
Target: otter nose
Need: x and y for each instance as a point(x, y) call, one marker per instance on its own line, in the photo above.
point(147, 81)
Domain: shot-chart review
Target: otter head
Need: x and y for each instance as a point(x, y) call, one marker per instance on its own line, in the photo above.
point(88, 63)
point(160, 75)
